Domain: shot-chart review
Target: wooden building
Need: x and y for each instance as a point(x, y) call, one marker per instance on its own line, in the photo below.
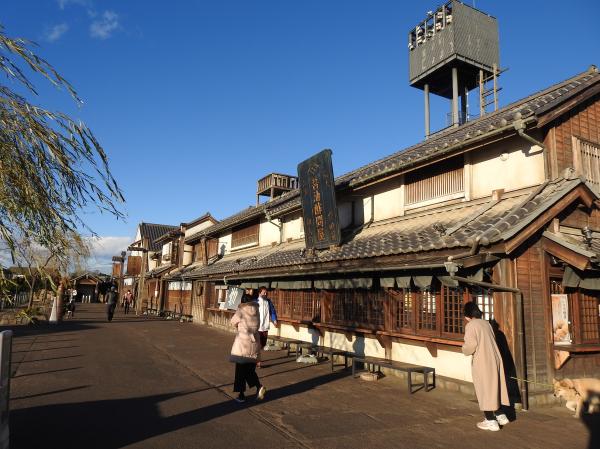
point(145, 258)
point(89, 286)
point(501, 210)
point(167, 290)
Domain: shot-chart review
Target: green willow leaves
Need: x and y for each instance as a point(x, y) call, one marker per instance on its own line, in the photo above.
point(51, 166)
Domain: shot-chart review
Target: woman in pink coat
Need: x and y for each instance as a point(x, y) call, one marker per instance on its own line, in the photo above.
point(487, 368)
point(245, 349)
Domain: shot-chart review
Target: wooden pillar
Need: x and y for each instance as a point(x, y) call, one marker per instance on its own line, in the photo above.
point(426, 99)
point(454, 96)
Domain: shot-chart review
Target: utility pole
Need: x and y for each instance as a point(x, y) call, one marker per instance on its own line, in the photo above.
point(138, 302)
point(121, 279)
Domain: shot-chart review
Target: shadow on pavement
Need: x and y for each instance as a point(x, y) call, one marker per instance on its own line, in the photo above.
point(50, 358)
point(47, 372)
point(47, 393)
point(125, 421)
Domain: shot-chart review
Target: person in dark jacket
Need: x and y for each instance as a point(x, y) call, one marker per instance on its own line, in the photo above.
point(267, 314)
point(111, 299)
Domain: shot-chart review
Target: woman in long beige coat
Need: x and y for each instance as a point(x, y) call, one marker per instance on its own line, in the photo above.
point(487, 368)
point(246, 348)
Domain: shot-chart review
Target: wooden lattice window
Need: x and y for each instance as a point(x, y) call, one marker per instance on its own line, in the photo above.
point(245, 236)
point(303, 305)
point(285, 298)
point(402, 308)
point(484, 298)
point(360, 308)
point(437, 182)
point(427, 310)
point(590, 322)
point(586, 160)
point(453, 300)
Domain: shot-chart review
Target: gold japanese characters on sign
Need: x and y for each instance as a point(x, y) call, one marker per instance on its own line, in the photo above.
point(319, 208)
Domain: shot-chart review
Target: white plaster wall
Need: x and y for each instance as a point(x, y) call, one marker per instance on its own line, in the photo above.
point(450, 364)
point(510, 165)
point(268, 233)
point(292, 228)
point(224, 246)
point(197, 228)
point(303, 333)
point(166, 249)
point(187, 254)
point(152, 264)
point(447, 363)
point(388, 204)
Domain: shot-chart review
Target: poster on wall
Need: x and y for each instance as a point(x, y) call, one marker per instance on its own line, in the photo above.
point(234, 297)
point(560, 320)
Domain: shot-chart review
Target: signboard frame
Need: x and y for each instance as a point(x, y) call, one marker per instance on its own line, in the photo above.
point(561, 325)
point(319, 207)
point(234, 298)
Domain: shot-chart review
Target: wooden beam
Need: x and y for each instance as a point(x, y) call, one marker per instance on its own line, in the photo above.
point(572, 103)
point(573, 258)
point(579, 193)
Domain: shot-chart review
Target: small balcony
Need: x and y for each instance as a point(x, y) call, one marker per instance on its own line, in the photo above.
point(274, 185)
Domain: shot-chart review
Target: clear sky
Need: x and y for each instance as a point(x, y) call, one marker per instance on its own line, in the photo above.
point(194, 101)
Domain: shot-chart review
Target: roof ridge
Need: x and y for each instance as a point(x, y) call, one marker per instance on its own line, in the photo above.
point(447, 132)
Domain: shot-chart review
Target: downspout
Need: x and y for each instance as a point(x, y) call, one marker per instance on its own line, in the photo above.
point(520, 127)
point(452, 268)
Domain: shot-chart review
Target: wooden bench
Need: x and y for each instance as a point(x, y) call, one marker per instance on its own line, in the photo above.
point(331, 352)
point(286, 342)
point(400, 366)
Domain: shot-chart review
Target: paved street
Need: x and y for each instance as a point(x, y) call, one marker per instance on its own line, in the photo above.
point(140, 383)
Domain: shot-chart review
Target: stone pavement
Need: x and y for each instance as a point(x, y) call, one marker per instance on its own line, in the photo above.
point(149, 383)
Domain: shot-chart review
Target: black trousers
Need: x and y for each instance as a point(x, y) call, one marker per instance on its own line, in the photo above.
point(490, 415)
point(126, 307)
point(245, 373)
point(110, 310)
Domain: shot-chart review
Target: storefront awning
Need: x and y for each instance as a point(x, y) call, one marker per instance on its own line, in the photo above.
point(338, 284)
point(292, 285)
point(254, 284)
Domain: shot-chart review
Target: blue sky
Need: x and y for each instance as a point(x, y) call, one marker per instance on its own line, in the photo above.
point(194, 101)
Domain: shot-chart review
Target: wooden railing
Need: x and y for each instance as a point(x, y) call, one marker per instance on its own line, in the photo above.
point(278, 181)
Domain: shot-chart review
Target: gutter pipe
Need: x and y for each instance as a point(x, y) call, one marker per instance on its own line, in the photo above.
point(520, 126)
point(520, 327)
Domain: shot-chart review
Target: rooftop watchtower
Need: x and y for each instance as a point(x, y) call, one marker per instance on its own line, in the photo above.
point(452, 51)
point(274, 185)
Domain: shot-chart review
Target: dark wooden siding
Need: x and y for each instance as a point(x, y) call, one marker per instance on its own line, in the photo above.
point(134, 264)
point(531, 276)
point(582, 121)
point(580, 365)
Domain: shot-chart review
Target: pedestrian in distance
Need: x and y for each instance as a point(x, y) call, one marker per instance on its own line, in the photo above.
point(128, 299)
point(487, 369)
point(246, 348)
point(112, 299)
point(71, 308)
point(268, 314)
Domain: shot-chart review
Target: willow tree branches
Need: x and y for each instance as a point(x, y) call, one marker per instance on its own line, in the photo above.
point(51, 166)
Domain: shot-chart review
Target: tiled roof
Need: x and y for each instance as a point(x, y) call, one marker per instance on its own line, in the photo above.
point(442, 228)
point(442, 142)
point(152, 231)
point(437, 145)
point(159, 270)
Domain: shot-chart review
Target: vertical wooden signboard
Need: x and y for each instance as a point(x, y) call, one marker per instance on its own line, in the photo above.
point(319, 208)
